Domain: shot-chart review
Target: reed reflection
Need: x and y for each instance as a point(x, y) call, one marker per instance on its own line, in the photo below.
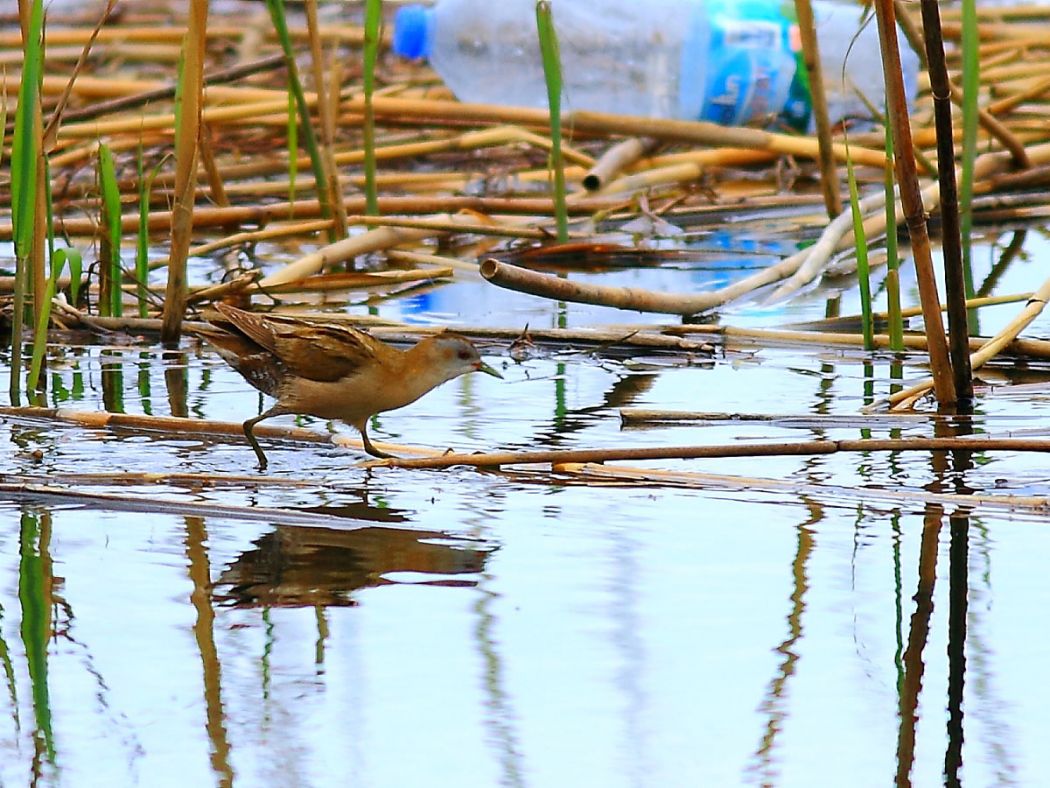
point(204, 632)
point(35, 584)
point(918, 636)
point(772, 705)
point(112, 378)
point(176, 383)
point(958, 601)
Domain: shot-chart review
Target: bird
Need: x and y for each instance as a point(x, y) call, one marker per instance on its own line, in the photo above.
point(333, 371)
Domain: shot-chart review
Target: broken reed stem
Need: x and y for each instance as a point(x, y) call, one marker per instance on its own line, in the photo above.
point(557, 457)
point(616, 159)
point(523, 280)
point(393, 232)
point(911, 200)
point(951, 238)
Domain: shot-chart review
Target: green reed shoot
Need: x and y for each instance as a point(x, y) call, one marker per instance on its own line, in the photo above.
point(893, 274)
point(552, 74)
point(861, 242)
point(142, 237)
point(111, 303)
point(76, 270)
point(280, 24)
point(971, 76)
point(3, 110)
point(373, 18)
point(142, 240)
point(59, 259)
point(293, 153)
point(25, 151)
point(43, 314)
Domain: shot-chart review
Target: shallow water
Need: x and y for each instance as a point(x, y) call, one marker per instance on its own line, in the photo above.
point(324, 624)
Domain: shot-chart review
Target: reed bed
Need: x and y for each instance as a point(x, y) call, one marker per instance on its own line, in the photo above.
point(215, 145)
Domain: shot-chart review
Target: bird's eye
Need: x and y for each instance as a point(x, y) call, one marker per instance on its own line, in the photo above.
point(464, 355)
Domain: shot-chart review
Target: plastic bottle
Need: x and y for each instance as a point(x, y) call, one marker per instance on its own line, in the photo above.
point(717, 60)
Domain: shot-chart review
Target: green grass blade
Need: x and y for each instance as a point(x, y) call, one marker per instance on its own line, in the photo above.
point(25, 151)
point(373, 19)
point(552, 74)
point(3, 110)
point(58, 263)
point(861, 241)
point(280, 24)
point(76, 271)
point(111, 210)
point(43, 314)
point(293, 152)
point(971, 86)
point(142, 237)
point(893, 276)
point(142, 240)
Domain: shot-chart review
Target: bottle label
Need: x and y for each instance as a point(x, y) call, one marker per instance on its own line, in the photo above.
point(752, 68)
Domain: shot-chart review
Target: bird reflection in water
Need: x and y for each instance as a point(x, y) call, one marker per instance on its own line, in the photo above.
point(299, 566)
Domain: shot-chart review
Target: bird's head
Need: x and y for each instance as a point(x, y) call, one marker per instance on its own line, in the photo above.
point(455, 355)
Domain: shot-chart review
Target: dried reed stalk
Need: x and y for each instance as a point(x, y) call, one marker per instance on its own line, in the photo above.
point(951, 239)
point(617, 158)
point(829, 178)
point(384, 237)
point(911, 200)
point(523, 280)
point(689, 131)
point(556, 457)
point(187, 145)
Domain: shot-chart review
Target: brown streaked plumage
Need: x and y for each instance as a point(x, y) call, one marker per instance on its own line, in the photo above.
point(332, 371)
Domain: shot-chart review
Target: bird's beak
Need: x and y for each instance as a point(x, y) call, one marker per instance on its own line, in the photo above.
point(481, 366)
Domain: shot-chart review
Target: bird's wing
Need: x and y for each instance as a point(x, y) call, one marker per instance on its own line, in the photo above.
point(307, 349)
point(256, 327)
point(325, 352)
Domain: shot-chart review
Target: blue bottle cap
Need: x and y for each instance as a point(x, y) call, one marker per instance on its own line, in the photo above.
point(413, 28)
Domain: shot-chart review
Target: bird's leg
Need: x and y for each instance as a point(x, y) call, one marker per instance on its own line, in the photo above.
point(276, 410)
point(370, 448)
